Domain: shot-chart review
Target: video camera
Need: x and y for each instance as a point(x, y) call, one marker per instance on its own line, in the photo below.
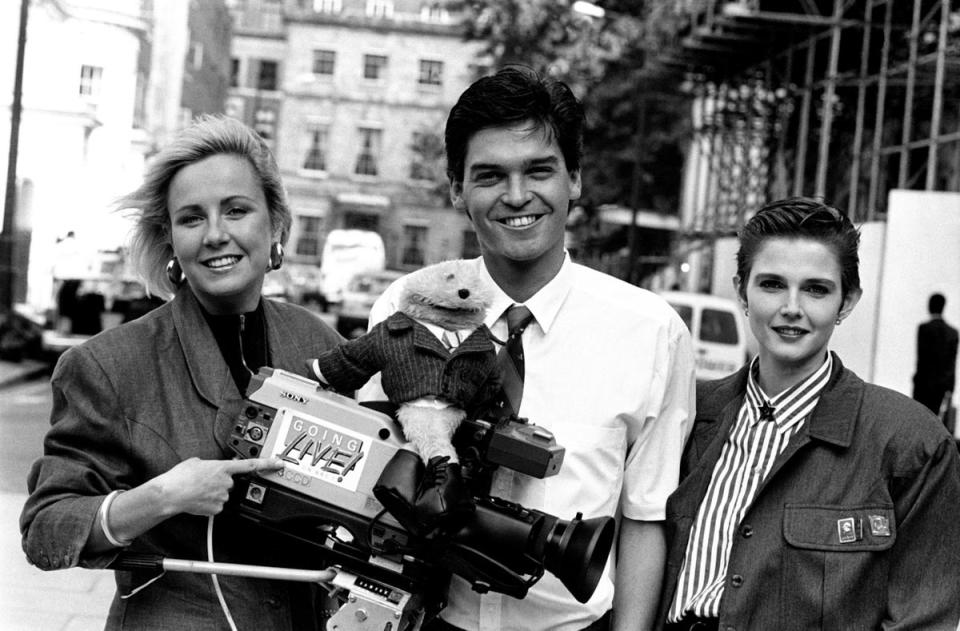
point(334, 450)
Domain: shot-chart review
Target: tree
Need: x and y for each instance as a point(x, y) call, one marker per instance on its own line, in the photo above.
point(635, 128)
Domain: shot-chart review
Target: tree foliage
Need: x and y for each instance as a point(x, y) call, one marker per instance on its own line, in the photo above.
point(601, 59)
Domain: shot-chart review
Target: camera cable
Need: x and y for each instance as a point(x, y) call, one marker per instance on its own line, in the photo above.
point(213, 577)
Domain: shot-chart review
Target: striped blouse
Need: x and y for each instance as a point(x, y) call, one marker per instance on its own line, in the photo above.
point(745, 460)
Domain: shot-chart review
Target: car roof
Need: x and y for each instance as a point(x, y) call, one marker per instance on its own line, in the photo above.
point(693, 298)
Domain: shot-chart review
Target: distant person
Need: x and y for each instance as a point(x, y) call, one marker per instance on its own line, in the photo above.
point(810, 499)
point(936, 357)
point(137, 455)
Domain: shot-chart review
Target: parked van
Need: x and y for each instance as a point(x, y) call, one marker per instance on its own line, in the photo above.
point(718, 330)
point(345, 254)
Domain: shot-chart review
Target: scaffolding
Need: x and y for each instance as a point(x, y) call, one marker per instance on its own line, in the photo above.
point(839, 99)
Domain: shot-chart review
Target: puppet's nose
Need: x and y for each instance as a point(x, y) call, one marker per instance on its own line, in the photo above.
point(464, 293)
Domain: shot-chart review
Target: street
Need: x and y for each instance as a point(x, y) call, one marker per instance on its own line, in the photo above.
point(32, 600)
point(24, 416)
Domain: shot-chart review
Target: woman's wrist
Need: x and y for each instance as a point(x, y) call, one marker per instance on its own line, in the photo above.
point(104, 517)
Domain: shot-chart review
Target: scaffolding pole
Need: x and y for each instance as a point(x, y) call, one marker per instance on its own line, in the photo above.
point(804, 129)
point(878, 120)
point(861, 106)
point(820, 183)
point(937, 97)
point(908, 99)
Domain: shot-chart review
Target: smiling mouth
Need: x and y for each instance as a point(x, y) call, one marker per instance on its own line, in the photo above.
point(519, 222)
point(790, 331)
point(222, 262)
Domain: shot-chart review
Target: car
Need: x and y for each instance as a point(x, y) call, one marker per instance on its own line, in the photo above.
point(346, 253)
point(717, 329)
point(360, 293)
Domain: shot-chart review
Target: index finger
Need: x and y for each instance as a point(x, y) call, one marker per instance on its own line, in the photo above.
point(252, 464)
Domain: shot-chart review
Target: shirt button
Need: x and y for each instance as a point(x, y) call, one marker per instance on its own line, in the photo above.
point(736, 580)
point(746, 531)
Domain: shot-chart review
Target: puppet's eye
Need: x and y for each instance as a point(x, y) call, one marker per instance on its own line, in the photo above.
point(450, 276)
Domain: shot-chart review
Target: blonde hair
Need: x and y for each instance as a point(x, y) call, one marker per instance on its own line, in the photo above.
point(209, 135)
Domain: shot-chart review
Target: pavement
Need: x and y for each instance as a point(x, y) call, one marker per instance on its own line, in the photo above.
point(34, 600)
point(30, 599)
point(12, 373)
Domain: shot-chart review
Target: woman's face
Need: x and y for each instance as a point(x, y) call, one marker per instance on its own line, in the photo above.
point(794, 297)
point(220, 231)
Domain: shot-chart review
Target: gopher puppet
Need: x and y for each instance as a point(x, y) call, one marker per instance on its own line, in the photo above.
point(437, 361)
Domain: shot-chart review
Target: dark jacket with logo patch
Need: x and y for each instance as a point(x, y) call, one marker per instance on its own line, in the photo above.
point(867, 456)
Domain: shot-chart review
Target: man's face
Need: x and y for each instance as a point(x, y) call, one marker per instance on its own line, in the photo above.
point(516, 190)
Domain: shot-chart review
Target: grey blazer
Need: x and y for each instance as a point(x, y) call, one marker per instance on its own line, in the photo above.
point(128, 405)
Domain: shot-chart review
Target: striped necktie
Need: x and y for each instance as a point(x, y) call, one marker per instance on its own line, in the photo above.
point(510, 359)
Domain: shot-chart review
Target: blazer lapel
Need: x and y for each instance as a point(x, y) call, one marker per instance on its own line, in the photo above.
point(209, 372)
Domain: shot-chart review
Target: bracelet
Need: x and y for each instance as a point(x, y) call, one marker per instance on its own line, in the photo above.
point(105, 527)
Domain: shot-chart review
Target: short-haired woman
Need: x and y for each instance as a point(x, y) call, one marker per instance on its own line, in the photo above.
point(810, 499)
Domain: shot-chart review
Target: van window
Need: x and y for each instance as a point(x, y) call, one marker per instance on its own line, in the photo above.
point(686, 314)
point(718, 327)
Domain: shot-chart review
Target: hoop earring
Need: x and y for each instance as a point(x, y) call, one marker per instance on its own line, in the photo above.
point(175, 272)
point(276, 255)
point(746, 312)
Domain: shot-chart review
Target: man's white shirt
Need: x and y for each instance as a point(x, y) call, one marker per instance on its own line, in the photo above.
point(610, 371)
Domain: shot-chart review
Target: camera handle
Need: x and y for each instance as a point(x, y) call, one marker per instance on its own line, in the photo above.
point(369, 605)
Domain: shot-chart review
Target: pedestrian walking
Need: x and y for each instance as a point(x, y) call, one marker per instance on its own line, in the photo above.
point(935, 376)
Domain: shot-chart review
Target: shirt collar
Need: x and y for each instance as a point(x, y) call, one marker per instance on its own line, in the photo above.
point(544, 305)
point(792, 399)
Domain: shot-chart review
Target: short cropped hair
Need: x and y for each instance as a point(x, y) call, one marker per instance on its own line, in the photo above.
point(936, 304)
point(802, 217)
point(512, 95)
point(209, 135)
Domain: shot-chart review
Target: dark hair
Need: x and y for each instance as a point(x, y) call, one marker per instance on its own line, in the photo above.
point(936, 304)
point(209, 135)
point(802, 217)
point(512, 95)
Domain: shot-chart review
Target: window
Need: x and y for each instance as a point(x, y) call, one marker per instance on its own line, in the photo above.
point(308, 239)
point(718, 326)
point(267, 76)
point(414, 241)
point(686, 314)
point(361, 221)
point(426, 152)
point(326, 6)
point(431, 72)
point(90, 77)
point(234, 107)
point(196, 55)
point(265, 122)
point(380, 8)
point(369, 151)
point(234, 72)
point(471, 246)
point(374, 66)
point(316, 158)
point(323, 61)
point(434, 12)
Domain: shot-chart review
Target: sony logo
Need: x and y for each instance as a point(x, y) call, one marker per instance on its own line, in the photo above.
point(293, 397)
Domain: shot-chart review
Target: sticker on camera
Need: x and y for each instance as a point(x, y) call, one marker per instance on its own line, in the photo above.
point(312, 449)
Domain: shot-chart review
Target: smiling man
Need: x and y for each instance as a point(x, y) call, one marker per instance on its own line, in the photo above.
point(608, 366)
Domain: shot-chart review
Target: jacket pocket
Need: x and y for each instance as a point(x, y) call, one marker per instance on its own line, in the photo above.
point(835, 565)
point(839, 528)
